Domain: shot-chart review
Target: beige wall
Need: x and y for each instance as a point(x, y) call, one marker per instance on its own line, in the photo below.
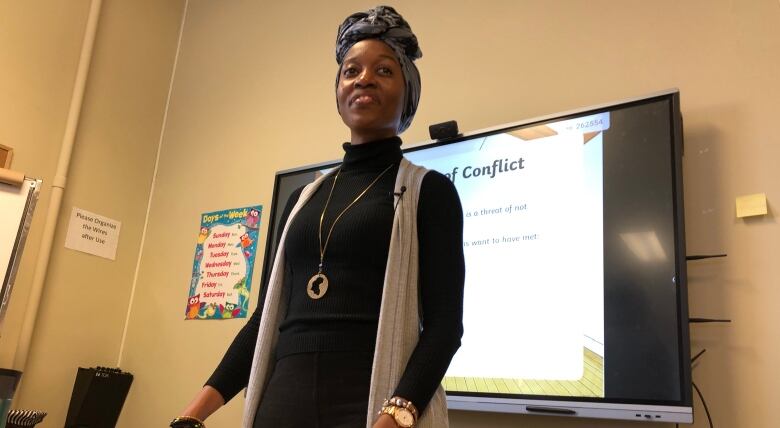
point(253, 94)
point(37, 69)
point(83, 310)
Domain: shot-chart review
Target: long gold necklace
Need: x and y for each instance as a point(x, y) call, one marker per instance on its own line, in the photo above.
point(318, 284)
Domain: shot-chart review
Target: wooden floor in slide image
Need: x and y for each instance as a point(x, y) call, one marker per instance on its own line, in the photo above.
point(590, 385)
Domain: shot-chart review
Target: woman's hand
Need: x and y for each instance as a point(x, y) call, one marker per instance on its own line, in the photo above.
point(206, 402)
point(385, 421)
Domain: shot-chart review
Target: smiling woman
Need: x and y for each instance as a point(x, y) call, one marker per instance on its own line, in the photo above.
point(386, 25)
point(363, 309)
point(370, 91)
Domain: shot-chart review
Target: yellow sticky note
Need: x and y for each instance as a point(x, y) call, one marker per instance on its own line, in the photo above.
point(750, 205)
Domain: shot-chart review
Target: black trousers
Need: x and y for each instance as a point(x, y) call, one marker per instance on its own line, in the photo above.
point(317, 390)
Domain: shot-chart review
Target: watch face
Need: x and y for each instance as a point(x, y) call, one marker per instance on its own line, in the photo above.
point(404, 417)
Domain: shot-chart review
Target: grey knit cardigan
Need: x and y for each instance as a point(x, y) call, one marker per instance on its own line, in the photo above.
point(399, 317)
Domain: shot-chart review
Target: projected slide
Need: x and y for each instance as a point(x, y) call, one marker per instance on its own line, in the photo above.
point(533, 241)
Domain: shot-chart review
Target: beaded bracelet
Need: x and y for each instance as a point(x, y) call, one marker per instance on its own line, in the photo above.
point(187, 422)
point(402, 402)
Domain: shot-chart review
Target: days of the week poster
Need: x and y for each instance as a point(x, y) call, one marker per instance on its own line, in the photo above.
point(222, 269)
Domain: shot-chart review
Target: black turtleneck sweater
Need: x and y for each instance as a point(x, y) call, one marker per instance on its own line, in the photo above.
point(346, 318)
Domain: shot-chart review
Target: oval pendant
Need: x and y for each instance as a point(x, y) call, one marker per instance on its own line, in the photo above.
point(318, 286)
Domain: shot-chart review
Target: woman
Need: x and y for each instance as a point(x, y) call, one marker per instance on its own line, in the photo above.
point(362, 313)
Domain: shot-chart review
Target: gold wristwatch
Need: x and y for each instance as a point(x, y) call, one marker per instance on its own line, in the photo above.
point(403, 412)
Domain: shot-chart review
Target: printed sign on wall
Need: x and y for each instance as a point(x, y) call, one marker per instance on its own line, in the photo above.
point(92, 233)
point(222, 269)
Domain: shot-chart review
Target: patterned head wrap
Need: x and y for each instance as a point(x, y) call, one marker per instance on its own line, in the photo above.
point(385, 24)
